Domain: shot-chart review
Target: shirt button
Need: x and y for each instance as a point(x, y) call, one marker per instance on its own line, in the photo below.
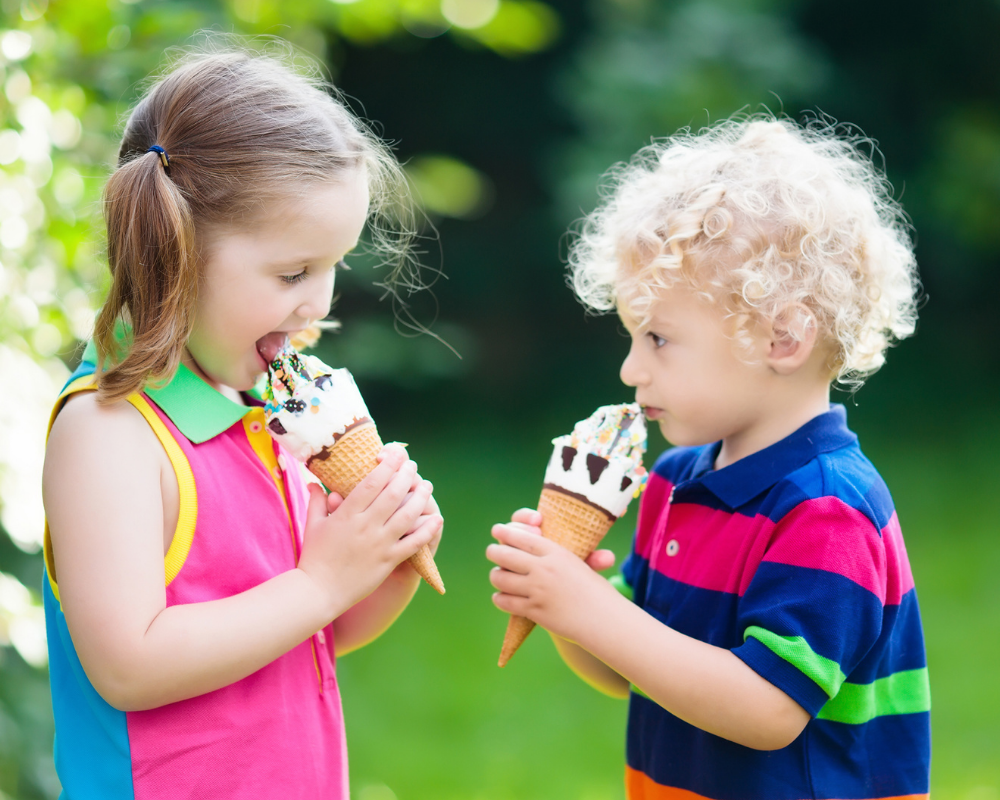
point(282, 464)
point(673, 546)
point(256, 426)
point(321, 637)
point(277, 474)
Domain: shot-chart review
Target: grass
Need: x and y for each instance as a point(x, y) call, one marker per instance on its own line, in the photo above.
point(429, 714)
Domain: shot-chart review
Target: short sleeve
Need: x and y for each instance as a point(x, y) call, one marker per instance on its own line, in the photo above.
point(814, 607)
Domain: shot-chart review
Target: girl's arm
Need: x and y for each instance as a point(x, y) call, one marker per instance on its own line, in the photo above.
point(104, 503)
point(369, 619)
point(705, 685)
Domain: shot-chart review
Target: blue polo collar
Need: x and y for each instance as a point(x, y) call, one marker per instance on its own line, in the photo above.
point(199, 411)
point(743, 480)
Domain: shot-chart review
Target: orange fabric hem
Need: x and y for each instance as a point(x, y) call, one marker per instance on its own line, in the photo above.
point(639, 786)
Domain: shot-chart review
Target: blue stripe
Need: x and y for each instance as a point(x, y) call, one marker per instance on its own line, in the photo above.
point(92, 754)
point(846, 474)
point(829, 610)
point(900, 646)
point(886, 757)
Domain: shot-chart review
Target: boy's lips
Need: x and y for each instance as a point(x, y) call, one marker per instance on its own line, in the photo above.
point(269, 346)
point(652, 412)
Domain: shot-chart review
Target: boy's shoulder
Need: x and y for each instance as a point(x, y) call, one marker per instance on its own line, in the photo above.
point(677, 464)
point(844, 477)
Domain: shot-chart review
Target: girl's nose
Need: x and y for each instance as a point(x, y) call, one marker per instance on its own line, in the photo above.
point(319, 297)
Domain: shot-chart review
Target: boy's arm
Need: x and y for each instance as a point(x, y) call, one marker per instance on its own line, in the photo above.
point(591, 670)
point(704, 685)
point(365, 621)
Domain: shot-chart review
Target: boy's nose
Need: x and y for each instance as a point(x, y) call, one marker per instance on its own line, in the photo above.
point(631, 373)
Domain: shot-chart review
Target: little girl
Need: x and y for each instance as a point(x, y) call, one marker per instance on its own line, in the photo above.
point(196, 594)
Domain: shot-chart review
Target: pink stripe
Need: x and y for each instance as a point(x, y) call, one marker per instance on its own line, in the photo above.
point(828, 534)
point(651, 504)
point(715, 550)
point(898, 563)
point(706, 548)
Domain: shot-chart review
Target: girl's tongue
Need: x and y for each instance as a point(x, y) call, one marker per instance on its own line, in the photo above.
point(269, 346)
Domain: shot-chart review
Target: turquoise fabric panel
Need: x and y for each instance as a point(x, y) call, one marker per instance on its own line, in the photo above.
point(92, 753)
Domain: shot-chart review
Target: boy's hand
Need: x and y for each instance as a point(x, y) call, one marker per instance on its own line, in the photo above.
point(544, 582)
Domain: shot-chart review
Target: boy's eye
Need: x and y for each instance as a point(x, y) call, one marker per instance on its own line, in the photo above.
point(290, 279)
point(658, 341)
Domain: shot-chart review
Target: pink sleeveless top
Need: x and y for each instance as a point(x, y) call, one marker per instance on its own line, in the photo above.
point(276, 733)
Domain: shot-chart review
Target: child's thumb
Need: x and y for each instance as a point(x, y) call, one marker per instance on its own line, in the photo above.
point(316, 512)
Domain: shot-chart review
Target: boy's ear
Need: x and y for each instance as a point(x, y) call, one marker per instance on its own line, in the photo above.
point(791, 338)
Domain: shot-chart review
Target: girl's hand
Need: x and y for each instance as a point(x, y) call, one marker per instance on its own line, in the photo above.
point(349, 552)
point(544, 582)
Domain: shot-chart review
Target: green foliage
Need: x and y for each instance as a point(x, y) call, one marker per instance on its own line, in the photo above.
point(508, 111)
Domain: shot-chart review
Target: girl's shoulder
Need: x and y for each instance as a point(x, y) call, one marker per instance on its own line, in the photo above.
point(107, 438)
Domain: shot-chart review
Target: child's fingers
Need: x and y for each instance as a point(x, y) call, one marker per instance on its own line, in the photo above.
point(333, 501)
point(409, 509)
point(392, 449)
point(372, 486)
point(601, 560)
point(393, 493)
point(509, 582)
point(509, 558)
point(523, 539)
point(316, 510)
point(512, 604)
point(527, 516)
point(423, 534)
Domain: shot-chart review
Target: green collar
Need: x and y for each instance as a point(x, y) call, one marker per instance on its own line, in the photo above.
point(199, 411)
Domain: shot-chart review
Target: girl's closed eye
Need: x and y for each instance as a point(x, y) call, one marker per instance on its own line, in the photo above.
point(291, 279)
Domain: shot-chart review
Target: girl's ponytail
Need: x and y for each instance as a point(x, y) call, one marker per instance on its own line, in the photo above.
point(143, 326)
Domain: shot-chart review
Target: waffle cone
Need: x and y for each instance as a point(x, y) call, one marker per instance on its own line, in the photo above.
point(345, 463)
point(572, 523)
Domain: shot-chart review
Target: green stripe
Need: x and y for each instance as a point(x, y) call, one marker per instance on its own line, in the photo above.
point(797, 652)
point(618, 581)
point(900, 693)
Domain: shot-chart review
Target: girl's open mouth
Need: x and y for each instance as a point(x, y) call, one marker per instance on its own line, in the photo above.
point(269, 346)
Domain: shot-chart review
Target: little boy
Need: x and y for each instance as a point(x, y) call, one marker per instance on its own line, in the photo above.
point(772, 647)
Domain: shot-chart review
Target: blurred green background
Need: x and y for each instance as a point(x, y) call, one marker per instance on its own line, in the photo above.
point(506, 112)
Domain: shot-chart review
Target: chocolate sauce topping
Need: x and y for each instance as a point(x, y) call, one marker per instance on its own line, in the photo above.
point(276, 427)
point(596, 465)
point(580, 497)
point(626, 482)
point(568, 454)
point(325, 453)
point(323, 381)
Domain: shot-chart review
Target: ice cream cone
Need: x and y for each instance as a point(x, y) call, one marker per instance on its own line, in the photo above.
point(345, 463)
point(571, 522)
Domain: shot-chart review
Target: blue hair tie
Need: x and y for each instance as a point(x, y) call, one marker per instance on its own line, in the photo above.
point(164, 158)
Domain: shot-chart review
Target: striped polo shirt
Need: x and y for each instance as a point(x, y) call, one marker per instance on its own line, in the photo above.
point(793, 559)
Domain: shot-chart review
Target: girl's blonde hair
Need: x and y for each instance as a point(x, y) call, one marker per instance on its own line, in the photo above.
point(241, 129)
point(762, 216)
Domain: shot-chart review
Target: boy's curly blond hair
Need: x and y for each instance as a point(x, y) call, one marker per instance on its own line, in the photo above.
point(763, 216)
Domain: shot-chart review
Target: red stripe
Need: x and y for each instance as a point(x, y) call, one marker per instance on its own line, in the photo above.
point(639, 786)
point(900, 575)
point(828, 534)
point(719, 551)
